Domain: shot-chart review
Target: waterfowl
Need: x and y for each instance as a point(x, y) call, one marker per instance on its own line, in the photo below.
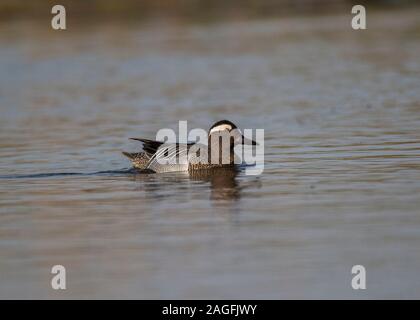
point(158, 157)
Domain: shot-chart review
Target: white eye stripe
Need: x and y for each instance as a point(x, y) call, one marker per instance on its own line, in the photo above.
point(221, 128)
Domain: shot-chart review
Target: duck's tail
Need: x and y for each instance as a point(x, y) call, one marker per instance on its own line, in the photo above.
point(130, 156)
point(139, 159)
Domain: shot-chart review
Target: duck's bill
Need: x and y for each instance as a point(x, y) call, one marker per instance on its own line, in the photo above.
point(249, 142)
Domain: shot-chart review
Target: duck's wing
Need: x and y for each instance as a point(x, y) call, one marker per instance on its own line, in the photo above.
point(149, 146)
point(164, 157)
point(170, 157)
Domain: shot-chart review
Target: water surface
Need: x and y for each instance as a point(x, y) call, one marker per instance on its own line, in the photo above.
point(341, 185)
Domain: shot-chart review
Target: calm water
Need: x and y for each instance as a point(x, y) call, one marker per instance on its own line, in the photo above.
point(341, 185)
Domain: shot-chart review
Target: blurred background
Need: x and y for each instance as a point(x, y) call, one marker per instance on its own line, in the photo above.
point(199, 10)
point(341, 181)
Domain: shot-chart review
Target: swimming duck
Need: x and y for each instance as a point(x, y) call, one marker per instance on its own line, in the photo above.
point(150, 160)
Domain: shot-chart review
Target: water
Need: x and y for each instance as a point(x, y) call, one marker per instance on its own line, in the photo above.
point(341, 185)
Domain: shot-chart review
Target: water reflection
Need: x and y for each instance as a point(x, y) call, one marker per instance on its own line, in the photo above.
point(223, 183)
point(220, 182)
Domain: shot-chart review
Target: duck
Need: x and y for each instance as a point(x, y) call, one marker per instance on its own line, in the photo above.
point(157, 155)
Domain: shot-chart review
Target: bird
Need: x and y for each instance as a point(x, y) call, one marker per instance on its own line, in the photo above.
point(160, 157)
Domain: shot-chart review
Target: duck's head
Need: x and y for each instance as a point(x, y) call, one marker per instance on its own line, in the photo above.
point(226, 126)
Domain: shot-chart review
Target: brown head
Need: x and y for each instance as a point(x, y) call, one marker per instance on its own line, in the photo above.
point(222, 133)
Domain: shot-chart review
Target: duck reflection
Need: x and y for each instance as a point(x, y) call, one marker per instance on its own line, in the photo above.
point(223, 183)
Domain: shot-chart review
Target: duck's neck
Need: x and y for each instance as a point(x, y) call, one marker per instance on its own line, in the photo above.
point(221, 152)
